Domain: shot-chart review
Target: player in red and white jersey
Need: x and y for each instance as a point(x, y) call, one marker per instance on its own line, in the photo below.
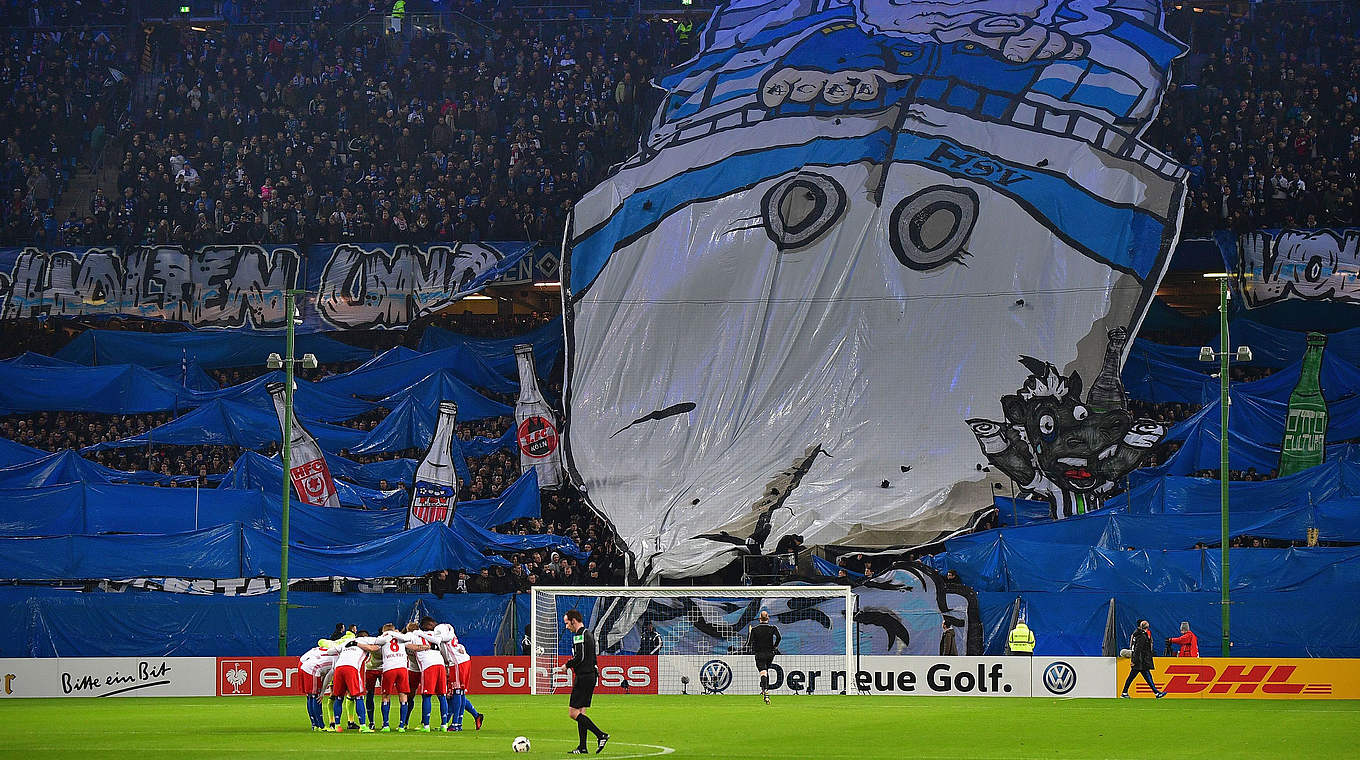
point(412, 670)
point(460, 677)
point(394, 678)
point(312, 666)
point(433, 675)
point(347, 679)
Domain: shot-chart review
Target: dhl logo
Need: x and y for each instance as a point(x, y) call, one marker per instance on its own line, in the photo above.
point(1272, 680)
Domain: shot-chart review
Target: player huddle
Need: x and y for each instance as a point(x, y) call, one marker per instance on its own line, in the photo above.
point(350, 670)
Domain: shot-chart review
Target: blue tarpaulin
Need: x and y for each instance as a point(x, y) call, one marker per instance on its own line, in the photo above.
point(189, 374)
point(390, 377)
point(212, 350)
point(231, 423)
point(209, 553)
point(499, 353)
point(12, 453)
point(119, 389)
point(67, 466)
point(408, 425)
point(89, 508)
point(256, 472)
point(36, 622)
point(309, 401)
point(1152, 380)
point(30, 359)
point(444, 385)
point(409, 553)
point(521, 499)
point(1007, 563)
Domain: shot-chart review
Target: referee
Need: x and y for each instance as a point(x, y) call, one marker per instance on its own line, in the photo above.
point(582, 664)
point(764, 644)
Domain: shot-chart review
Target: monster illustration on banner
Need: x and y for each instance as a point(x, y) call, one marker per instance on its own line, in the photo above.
point(1063, 450)
point(847, 219)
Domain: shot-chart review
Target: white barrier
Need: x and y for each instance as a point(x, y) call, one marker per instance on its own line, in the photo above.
point(109, 677)
point(882, 674)
point(912, 676)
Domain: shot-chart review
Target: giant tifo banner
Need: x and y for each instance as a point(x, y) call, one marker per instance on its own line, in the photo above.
point(1288, 264)
point(350, 286)
point(849, 220)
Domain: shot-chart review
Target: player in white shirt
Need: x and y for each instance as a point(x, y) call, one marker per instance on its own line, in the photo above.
point(313, 665)
point(433, 675)
point(320, 667)
point(347, 679)
point(394, 675)
point(460, 677)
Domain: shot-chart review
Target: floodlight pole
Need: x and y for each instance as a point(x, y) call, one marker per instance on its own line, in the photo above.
point(289, 316)
point(1223, 401)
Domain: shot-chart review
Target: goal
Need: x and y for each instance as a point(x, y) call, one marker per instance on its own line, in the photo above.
point(693, 640)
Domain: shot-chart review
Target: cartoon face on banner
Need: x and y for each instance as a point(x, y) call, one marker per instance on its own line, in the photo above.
point(433, 502)
point(312, 480)
point(844, 224)
point(1060, 448)
point(537, 437)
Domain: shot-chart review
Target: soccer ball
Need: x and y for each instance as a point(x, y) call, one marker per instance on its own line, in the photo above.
point(539, 650)
point(520, 744)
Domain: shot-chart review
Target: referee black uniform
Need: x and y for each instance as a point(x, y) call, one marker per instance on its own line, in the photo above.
point(764, 642)
point(582, 663)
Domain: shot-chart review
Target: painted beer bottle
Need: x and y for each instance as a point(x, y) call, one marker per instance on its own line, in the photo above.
point(1305, 428)
point(435, 496)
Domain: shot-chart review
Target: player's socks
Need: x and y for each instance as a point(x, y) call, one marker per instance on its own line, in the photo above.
point(443, 709)
point(425, 710)
point(339, 705)
point(372, 713)
point(459, 701)
point(406, 712)
point(387, 710)
point(360, 708)
point(588, 725)
point(581, 730)
point(467, 706)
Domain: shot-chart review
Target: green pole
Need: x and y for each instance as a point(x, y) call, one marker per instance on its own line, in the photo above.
point(288, 307)
point(1224, 351)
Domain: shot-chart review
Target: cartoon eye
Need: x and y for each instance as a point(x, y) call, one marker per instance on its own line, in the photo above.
point(1046, 425)
point(1079, 413)
point(801, 208)
point(930, 229)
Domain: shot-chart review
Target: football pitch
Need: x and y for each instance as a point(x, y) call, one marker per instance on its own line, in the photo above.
point(849, 728)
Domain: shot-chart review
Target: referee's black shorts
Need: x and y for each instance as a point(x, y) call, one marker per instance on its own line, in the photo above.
point(583, 690)
point(764, 660)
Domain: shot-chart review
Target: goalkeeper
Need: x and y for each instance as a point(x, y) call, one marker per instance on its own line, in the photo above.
point(764, 644)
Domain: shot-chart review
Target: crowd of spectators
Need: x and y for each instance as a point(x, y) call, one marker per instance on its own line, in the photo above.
point(1265, 113)
point(320, 133)
point(62, 94)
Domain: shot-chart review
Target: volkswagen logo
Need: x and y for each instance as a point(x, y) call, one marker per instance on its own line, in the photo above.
point(1060, 678)
point(715, 676)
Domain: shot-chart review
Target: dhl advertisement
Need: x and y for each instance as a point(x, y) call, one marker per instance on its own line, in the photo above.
point(1247, 678)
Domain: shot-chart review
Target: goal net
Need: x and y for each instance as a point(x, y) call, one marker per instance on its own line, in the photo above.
point(695, 640)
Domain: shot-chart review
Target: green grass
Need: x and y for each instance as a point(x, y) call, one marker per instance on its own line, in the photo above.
point(840, 728)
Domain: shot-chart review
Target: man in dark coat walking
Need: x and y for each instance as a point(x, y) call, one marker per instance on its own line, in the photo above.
point(1141, 644)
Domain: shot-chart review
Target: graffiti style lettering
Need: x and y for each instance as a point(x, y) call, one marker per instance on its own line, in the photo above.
point(215, 286)
point(363, 287)
point(1310, 265)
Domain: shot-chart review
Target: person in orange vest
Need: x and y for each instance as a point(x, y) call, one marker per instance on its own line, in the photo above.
point(1188, 641)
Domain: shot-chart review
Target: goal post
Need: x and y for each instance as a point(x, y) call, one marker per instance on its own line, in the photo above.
point(693, 640)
